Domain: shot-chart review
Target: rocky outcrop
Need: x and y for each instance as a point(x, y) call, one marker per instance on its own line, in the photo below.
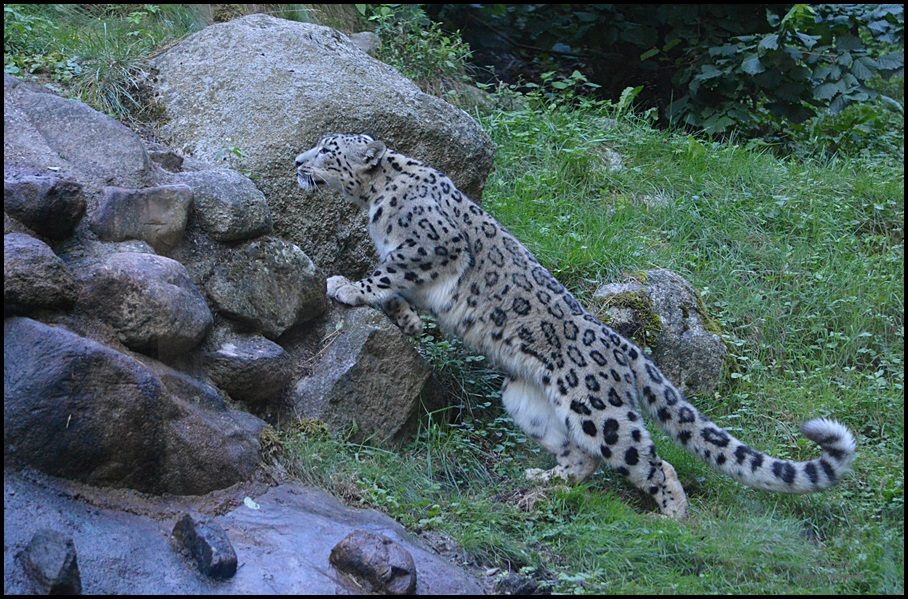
point(47, 204)
point(269, 285)
point(296, 82)
point(147, 351)
point(153, 303)
point(149, 301)
point(282, 538)
point(149, 309)
point(250, 368)
point(78, 409)
point(228, 206)
point(663, 312)
point(34, 277)
point(346, 383)
point(156, 215)
point(55, 137)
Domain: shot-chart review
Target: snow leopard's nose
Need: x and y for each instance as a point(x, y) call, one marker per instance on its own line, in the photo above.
point(305, 157)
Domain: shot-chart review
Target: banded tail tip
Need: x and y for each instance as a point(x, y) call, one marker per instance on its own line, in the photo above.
point(834, 438)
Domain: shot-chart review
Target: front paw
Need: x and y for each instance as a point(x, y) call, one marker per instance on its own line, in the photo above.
point(343, 290)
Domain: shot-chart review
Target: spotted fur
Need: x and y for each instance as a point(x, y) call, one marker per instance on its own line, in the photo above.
point(573, 384)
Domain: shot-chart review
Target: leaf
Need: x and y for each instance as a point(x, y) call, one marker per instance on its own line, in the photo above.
point(848, 42)
point(770, 42)
point(649, 54)
point(826, 91)
point(822, 72)
point(891, 61)
point(751, 65)
point(718, 125)
point(671, 44)
point(708, 71)
point(808, 40)
point(864, 68)
point(838, 104)
point(627, 97)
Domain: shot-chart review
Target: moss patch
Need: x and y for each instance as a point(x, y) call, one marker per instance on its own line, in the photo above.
point(648, 323)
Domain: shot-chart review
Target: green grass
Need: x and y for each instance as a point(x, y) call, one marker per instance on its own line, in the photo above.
point(97, 54)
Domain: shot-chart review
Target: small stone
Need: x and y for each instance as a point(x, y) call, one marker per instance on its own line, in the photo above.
point(157, 215)
point(375, 564)
point(50, 559)
point(46, 204)
point(204, 541)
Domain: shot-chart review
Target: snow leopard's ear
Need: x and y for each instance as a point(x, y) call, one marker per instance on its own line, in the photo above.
point(372, 153)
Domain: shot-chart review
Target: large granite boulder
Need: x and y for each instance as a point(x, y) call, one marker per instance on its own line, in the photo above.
point(271, 87)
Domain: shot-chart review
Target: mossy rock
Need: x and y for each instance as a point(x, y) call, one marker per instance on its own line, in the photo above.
point(663, 314)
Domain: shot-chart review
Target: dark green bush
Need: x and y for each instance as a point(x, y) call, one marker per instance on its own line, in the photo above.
point(757, 70)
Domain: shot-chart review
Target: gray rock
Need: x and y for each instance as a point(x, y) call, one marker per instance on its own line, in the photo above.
point(367, 41)
point(296, 82)
point(149, 301)
point(34, 277)
point(167, 158)
point(11, 225)
point(374, 564)
point(685, 350)
point(269, 285)
point(248, 367)
point(204, 541)
point(50, 558)
point(228, 205)
point(43, 130)
point(49, 205)
point(363, 370)
point(206, 445)
point(283, 547)
point(157, 215)
point(77, 409)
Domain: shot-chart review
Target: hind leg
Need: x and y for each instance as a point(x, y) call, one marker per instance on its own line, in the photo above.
point(626, 447)
point(531, 409)
point(403, 315)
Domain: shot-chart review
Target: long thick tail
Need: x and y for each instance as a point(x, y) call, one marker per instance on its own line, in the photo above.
point(714, 445)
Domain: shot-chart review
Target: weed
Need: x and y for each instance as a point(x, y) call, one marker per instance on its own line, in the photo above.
point(96, 54)
point(436, 61)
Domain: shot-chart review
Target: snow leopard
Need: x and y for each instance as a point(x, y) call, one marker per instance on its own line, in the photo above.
point(572, 383)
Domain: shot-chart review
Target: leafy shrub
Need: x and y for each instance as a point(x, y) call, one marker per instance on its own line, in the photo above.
point(757, 70)
point(810, 60)
point(417, 47)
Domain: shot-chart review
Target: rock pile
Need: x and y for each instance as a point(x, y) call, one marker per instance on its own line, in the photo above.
point(157, 315)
